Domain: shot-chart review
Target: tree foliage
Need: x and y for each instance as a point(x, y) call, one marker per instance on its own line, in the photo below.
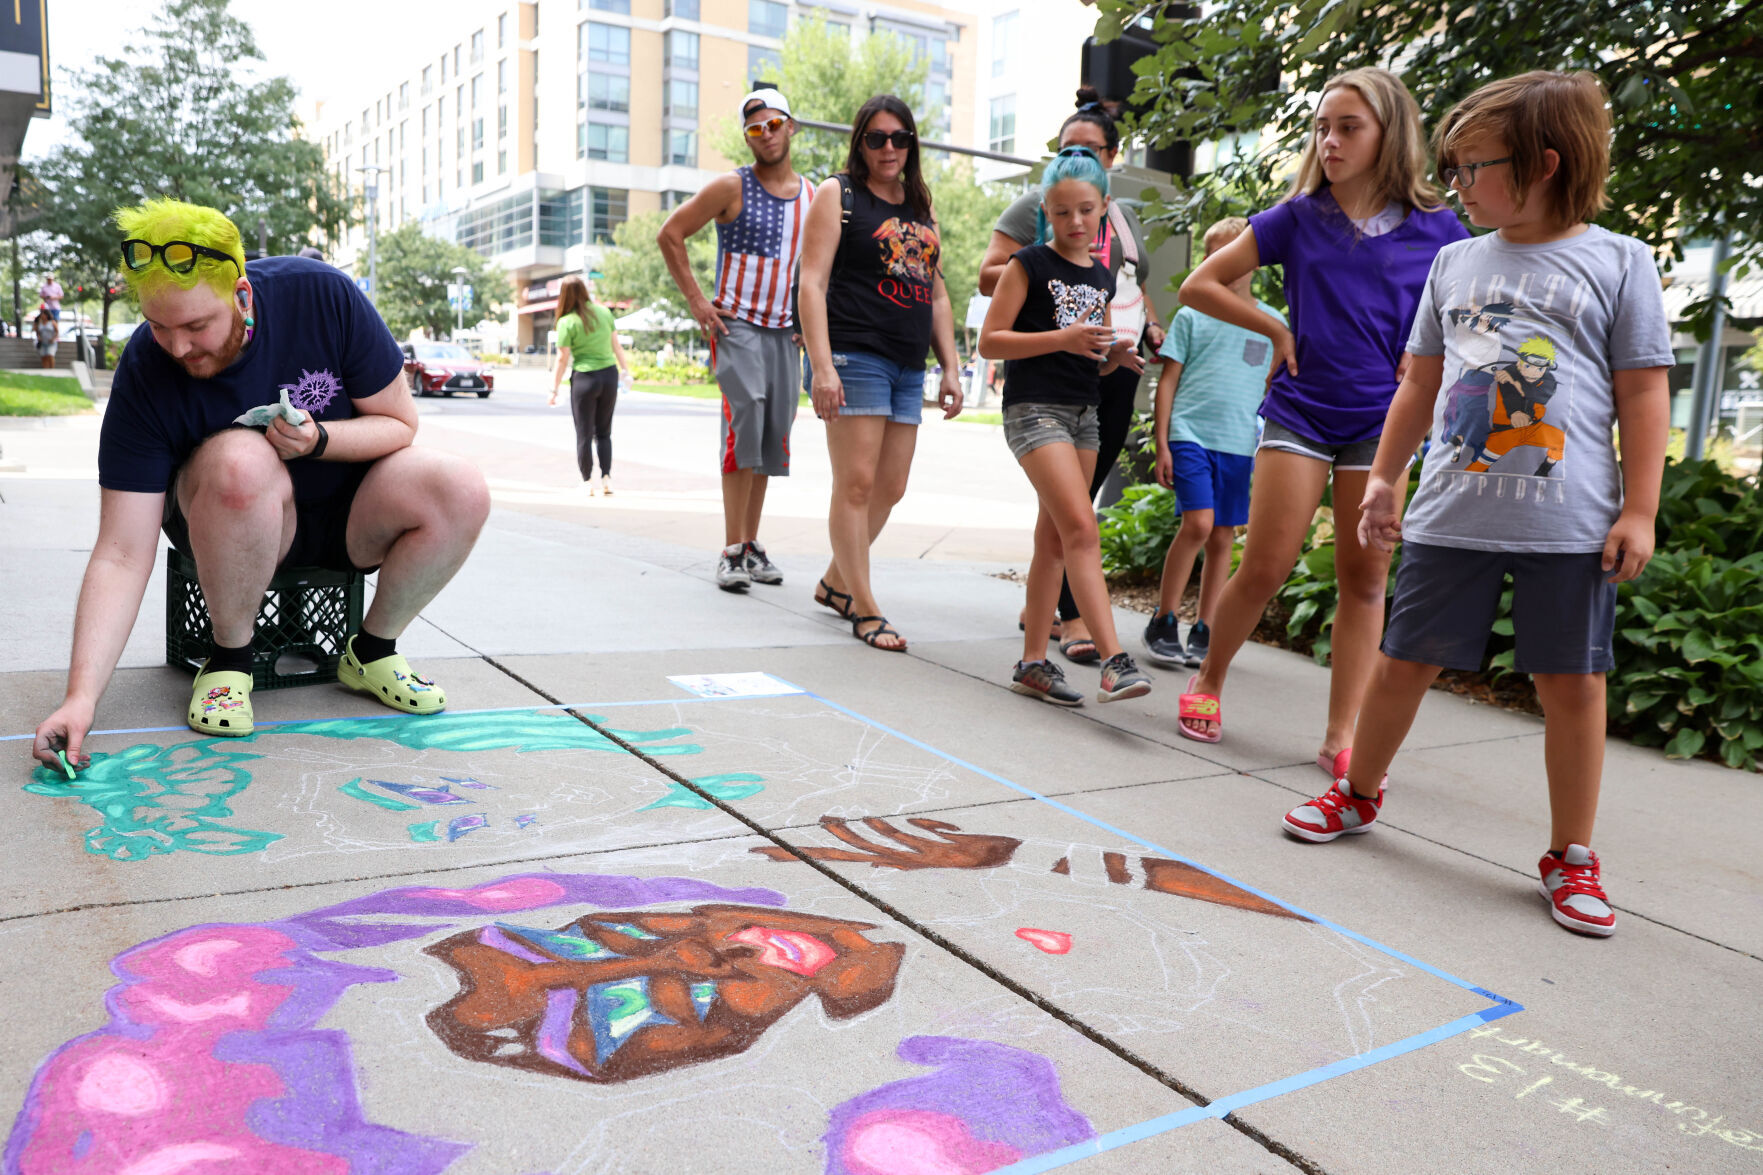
point(1685, 78)
point(966, 212)
point(414, 272)
point(182, 115)
point(635, 272)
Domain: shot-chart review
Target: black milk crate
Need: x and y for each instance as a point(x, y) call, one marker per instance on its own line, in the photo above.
point(306, 617)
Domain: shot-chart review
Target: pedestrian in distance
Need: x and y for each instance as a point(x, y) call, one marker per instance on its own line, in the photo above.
point(1213, 377)
point(872, 304)
point(1548, 499)
point(1050, 319)
point(588, 348)
point(1120, 245)
point(1356, 235)
point(331, 481)
point(760, 209)
point(48, 337)
point(52, 293)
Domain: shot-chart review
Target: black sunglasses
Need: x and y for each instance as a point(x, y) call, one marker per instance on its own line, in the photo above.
point(177, 256)
point(900, 139)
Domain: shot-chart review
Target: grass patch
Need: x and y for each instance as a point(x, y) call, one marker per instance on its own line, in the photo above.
point(980, 418)
point(42, 395)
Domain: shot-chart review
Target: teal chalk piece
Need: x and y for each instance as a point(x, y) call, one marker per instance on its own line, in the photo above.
point(736, 785)
point(157, 800)
point(354, 789)
point(424, 833)
point(65, 765)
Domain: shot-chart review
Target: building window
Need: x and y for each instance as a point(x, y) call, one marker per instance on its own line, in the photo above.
point(477, 134)
point(620, 6)
point(936, 106)
point(767, 18)
point(610, 44)
point(477, 91)
point(502, 31)
point(501, 123)
point(609, 207)
point(502, 76)
point(611, 143)
point(1003, 133)
point(682, 50)
point(763, 64)
point(1003, 42)
point(682, 99)
point(404, 96)
point(425, 122)
point(477, 171)
point(459, 104)
point(443, 69)
point(682, 148)
point(428, 80)
point(459, 161)
point(502, 162)
point(456, 70)
point(477, 47)
point(673, 199)
point(684, 9)
point(608, 91)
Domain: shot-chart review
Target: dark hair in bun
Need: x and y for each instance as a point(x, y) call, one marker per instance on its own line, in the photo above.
point(1091, 110)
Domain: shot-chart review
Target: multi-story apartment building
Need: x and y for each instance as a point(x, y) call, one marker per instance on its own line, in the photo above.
point(1029, 64)
point(533, 133)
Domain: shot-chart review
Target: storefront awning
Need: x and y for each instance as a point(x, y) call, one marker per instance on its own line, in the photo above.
point(537, 307)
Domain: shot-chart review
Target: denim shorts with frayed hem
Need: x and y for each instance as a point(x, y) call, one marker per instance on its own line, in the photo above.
point(877, 386)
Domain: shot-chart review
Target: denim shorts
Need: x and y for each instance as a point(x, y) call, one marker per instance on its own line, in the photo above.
point(1354, 455)
point(1563, 609)
point(1029, 426)
point(875, 386)
point(1205, 479)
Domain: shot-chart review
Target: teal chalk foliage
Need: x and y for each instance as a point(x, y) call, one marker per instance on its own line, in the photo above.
point(531, 730)
point(736, 785)
point(160, 800)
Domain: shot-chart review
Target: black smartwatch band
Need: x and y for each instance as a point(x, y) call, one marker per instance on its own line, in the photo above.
point(324, 438)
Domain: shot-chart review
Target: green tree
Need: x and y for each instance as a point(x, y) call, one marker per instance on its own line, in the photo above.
point(966, 212)
point(635, 272)
point(414, 272)
point(182, 115)
point(827, 78)
point(1684, 79)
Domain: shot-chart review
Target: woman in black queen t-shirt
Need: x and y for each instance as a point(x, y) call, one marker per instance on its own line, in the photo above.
point(1050, 319)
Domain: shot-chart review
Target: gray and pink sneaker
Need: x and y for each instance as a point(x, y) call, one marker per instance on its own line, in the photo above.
point(1571, 882)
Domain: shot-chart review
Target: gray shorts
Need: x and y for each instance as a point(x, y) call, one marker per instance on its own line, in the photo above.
point(1029, 426)
point(1356, 455)
point(758, 369)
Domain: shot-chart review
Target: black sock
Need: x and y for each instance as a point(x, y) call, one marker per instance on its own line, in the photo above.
point(370, 648)
point(222, 659)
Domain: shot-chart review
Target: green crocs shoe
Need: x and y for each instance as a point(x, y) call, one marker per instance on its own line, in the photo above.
point(392, 682)
point(220, 704)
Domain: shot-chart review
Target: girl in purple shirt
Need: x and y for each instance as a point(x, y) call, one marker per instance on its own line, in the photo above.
point(1356, 236)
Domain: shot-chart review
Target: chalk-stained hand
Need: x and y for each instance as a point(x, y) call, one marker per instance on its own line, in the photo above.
point(292, 441)
point(1380, 515)
point(954, 850)
point(64, 730)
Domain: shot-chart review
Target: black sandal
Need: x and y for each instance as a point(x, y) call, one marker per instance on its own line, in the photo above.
point(832, 598)
point(880, 630)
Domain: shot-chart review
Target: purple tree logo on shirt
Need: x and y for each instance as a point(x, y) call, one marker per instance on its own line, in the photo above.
point(313, 391)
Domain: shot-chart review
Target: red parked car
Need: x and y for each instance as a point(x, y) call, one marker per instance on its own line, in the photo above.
point(440, 369)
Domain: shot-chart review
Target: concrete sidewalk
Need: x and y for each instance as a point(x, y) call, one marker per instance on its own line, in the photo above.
point(879, 915)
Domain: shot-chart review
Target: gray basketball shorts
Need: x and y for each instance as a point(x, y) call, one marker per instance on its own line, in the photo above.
point(758, 369)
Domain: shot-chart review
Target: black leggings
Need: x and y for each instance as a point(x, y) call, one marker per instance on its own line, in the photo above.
point(592, 396)
point(1114, 419)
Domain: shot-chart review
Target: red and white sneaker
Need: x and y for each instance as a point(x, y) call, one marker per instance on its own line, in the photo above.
point(1336, 812)
point(1576, 895)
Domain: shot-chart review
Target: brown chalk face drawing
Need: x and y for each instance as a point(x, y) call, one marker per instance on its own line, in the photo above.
point(618, 995)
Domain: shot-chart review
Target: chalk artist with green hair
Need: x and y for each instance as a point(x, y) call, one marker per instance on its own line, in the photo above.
point(260, 417)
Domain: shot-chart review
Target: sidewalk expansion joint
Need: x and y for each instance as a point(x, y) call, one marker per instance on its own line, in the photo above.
point(1150, 1070)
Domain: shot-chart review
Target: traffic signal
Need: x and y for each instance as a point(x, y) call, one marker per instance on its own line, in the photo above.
point(1108, 67)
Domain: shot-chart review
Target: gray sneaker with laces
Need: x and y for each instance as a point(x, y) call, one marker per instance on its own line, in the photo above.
point(762, 570)
point(1046, 681)
point(1122, 679)
point(731, 570)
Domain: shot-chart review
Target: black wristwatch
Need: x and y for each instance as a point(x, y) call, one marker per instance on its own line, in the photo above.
point(324, 438)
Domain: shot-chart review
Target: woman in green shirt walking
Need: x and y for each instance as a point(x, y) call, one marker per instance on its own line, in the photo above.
point(587, 347)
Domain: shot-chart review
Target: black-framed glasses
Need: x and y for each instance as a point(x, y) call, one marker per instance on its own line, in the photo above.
point(177, 256)
point(900, 139)
point(1463, 175)
point(758, 130)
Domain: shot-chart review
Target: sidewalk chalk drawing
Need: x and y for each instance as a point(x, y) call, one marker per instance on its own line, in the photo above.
point(154, 800)
point(986, 1106)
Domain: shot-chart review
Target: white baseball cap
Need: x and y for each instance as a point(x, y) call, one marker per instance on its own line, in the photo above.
point(766, 97)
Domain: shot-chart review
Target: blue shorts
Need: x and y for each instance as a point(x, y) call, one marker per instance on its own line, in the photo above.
point(875, 386)
point(1205, 479)
point(1563, 609)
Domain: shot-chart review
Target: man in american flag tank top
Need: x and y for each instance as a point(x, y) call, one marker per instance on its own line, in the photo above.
point(759, 210)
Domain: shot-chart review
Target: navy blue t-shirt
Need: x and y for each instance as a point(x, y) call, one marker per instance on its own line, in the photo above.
point(316, 335)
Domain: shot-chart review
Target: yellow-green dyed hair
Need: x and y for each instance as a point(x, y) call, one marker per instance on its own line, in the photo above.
point(164, 219)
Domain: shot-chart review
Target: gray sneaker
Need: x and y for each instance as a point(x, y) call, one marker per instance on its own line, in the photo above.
point(1163, 642)
point(1199, 644)
point(762, 570)
point(1121, 679)
point(731, 570)
point(1046, 681)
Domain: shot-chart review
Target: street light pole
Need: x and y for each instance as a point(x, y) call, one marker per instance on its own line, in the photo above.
point(372, 191)
point(459, 275)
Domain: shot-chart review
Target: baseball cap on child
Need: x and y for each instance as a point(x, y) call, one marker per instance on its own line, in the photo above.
point(763, 98)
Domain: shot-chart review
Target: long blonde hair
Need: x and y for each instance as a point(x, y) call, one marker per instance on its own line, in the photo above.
point(1400, 171)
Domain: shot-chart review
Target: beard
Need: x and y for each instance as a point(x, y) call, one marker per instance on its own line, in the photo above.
point(208, 364)
point(775, 154)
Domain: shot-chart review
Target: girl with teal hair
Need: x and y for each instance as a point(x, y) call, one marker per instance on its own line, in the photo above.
point(1050, 319)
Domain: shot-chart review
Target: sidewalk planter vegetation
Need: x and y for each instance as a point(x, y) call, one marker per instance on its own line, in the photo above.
point(22, 394)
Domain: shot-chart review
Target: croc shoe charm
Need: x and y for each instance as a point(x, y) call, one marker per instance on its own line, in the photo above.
point(392, 682)
point(220, 704)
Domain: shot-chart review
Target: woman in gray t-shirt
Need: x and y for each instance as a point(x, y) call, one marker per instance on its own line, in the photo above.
point(1121, 246)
